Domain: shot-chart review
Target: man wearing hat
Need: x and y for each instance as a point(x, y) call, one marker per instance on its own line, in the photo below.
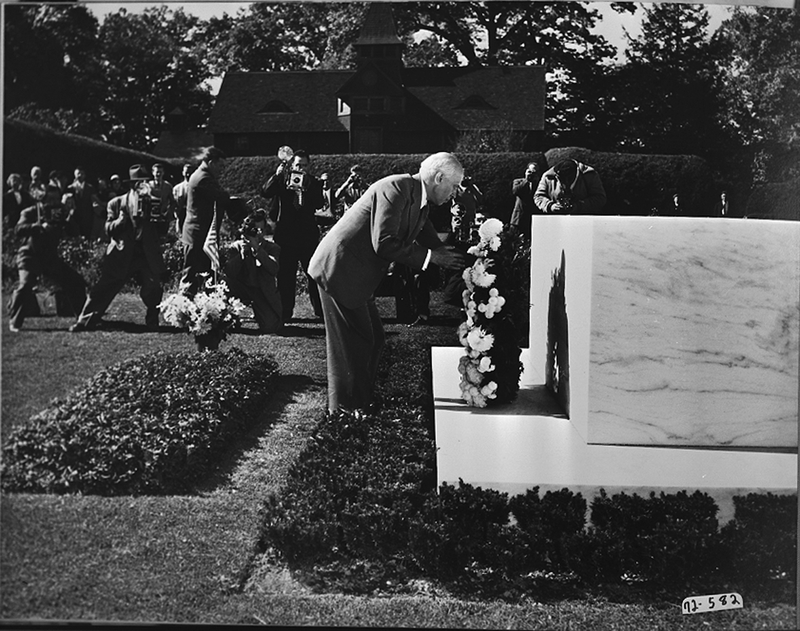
point(134, 249)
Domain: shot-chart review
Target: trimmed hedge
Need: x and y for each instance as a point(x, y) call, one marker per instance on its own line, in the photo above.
point(493, 173)
point(27, 144)
point(153, 424)
point(775, 201)
point(635, 184)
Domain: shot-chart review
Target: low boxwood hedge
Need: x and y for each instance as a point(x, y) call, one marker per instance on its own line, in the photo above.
point(152, 424)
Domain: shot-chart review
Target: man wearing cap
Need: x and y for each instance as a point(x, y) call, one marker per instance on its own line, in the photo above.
point(204, 197)
point(134, 249)
point(570, 188)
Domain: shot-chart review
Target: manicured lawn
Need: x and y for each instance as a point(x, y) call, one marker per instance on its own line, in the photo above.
point(191, 558)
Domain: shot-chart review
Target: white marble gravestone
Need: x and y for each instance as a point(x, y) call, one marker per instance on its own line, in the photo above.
point(663, 357)
point(681, 331)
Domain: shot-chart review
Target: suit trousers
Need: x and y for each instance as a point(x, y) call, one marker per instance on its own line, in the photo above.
point(113, 278)
point(70, 281)
point(195, 262)
point(354, 342)
point(291, 254)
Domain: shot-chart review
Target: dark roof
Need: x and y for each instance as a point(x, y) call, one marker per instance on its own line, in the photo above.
point(378, 27)
point(515, 95)
point(309, 95)
point(465, 97)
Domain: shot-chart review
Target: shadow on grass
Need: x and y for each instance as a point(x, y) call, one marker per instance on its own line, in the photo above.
point(221, 471)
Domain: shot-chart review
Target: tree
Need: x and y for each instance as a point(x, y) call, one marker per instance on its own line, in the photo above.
point(152, 63)
point(51, 69)
point(269, 37)
point(670, 92)
point(760, 59)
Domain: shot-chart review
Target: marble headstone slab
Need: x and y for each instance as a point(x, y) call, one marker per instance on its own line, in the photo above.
point(681, 331)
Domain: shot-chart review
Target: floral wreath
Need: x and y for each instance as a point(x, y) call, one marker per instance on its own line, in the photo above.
point(490, 369)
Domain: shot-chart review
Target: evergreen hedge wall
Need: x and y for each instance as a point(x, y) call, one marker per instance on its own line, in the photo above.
point(635, 184)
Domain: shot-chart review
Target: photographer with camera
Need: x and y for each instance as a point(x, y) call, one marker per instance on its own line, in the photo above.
point(353, 188)
point(570, 188)
point(251, 271)
point(299, 195)
point(40, 227)
point(134, 249)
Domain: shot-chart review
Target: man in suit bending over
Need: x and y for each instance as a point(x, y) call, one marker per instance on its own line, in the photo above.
point(389, 222)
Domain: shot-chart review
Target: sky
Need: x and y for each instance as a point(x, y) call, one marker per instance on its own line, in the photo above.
point(612, 27)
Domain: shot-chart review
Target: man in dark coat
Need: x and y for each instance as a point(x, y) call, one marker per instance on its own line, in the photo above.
point(523, 189)
point(299, 195)
point(204, 197)
point(134, 249)
point(389, 223)
point(40, 227)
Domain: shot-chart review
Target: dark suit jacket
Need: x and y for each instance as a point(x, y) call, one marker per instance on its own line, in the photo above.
point(204, 193)
point(524, 206)
point(121, 227)
point(385, 225)
point(294, 223)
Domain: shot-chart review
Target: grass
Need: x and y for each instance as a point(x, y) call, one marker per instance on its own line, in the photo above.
point(191, 558)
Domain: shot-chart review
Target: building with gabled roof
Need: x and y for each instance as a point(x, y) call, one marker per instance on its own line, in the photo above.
point(380, 107)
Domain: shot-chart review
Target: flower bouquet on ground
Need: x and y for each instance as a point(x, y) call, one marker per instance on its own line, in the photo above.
point(495, 285)
point(208, 315)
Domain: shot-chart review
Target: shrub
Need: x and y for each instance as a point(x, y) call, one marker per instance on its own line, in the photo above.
point(151, 424)
point(463, 537)
point(551, 526)
point(760, 542)
point(350, 498)
point(667, 540)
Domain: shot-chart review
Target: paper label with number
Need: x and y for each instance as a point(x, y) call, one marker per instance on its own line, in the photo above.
point(714, 602)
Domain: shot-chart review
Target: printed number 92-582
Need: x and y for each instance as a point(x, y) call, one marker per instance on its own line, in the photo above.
point(715, 602)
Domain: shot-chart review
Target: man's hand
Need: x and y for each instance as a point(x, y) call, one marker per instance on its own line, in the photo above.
point(280, 168)
point(448, 257)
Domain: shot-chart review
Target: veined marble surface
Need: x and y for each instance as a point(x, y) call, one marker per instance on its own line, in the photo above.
point(527, 443)
point(694, 335)
point(682, 331)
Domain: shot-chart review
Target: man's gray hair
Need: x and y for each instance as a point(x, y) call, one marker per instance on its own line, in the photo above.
point(441, 162)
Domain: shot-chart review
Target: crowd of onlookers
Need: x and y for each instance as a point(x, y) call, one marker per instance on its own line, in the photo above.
point(132, 214)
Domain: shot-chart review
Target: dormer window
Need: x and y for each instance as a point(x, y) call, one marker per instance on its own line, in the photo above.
point(276, 107)
point(475, 102)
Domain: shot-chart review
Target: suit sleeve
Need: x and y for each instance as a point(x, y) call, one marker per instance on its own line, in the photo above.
point(389, 221)
point(27, 223)
point(541, 197)
point(115, 218)
point(518, 186)
point(273, 186)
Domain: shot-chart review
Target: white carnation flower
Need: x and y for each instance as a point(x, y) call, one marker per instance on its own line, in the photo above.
point(479, 340)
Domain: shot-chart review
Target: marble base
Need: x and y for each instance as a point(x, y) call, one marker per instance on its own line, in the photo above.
point(531, 442)
point(669, 330)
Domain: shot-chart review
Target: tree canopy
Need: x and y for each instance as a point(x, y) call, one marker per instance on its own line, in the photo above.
point(679, 89)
